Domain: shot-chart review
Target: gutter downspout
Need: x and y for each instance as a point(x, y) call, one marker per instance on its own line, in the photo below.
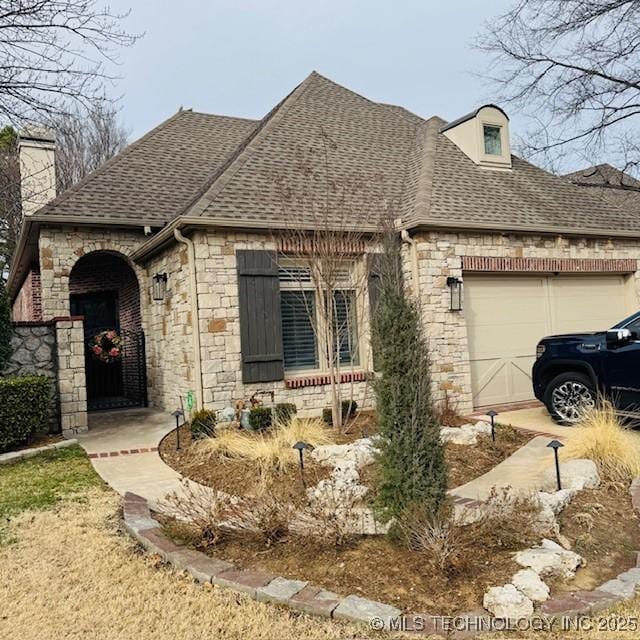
point(195, 316)
point(413, 248)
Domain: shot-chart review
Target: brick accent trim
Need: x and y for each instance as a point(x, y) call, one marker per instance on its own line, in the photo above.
point(353, 246)
point(323, 379)
point(45, 323)
point(549, 265)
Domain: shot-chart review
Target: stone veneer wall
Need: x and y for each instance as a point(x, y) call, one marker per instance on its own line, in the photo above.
point(169, 331)
point(33, 353)
point(220, 329)
point(71, 376)
point(440, 255)
point(61, 247)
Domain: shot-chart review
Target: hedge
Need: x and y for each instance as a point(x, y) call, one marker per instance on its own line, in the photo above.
point(24, 409)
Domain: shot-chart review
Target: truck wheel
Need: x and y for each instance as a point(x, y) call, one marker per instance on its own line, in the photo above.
point(568, 396)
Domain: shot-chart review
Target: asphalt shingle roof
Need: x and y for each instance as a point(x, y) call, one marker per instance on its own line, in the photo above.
point(154, 178)
point(324, 149)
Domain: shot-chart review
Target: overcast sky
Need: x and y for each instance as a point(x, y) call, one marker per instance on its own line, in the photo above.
point(240, 57)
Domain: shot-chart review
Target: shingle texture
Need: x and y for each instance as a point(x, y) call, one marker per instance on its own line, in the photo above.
point(327, 153)
point(157, 176)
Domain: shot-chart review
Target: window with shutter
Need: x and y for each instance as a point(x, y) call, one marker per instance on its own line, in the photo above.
point(298, 335)
point(260, 318)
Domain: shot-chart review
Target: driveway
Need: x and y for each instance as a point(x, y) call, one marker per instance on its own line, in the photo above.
point(535, 419)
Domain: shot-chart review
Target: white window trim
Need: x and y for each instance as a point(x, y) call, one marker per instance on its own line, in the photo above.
point(502, 160)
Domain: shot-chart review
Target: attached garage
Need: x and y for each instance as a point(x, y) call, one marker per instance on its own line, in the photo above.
point(506, 316)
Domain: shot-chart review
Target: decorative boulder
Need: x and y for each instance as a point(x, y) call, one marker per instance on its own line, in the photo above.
point(550, 559)
point(466, 434)
point(528, 582)
point(574, 474)
point(360, 452)
point(507, 602)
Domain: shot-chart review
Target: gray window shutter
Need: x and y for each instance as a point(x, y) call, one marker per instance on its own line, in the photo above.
point(374, 285)
point(260, 319)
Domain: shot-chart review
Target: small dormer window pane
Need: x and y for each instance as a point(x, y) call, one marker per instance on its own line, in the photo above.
point(492, 141)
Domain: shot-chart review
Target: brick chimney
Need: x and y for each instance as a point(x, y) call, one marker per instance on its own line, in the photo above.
point(36, 145)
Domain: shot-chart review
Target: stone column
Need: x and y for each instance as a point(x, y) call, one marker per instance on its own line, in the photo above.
point(72, 385)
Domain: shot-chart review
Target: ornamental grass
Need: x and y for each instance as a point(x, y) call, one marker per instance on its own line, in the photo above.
point(601, 437)
point(271, 450)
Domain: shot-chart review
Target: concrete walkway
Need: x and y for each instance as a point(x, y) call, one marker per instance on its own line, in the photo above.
point(522, 471)
point(536, 419)
point(123, 448)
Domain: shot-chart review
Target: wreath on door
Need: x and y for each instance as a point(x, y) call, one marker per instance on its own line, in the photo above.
point(106, 346)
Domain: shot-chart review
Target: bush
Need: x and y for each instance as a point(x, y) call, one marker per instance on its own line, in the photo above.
point(412, 472)
point(601, 437)
point(5, 327)
point(203, 424)
point(349, 408)
point(260, 418)
point(24, 409)
point(284, 411)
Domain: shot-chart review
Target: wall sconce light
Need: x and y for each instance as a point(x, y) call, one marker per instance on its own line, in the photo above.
point(159, 286)
point(455, 287)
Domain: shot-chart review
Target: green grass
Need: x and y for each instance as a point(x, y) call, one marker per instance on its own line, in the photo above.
point(45, 480)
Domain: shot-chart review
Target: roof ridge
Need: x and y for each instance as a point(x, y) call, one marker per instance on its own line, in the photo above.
point(221, 177)
point(424, 188)
point(219, 115)
point(67, 193)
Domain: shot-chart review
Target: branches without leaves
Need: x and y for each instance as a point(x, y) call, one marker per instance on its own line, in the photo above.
point(54, 53)
point(576, 62)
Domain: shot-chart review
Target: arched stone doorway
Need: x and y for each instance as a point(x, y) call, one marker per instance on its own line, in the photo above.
point(104, 289)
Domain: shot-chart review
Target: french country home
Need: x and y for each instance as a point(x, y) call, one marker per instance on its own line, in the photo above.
point(161, 272)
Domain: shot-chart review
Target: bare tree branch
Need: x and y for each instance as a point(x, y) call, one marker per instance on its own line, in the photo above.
point(574, 67)
point(56, 53)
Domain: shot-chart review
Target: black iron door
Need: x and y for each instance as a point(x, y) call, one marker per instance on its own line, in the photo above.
point(115, 383)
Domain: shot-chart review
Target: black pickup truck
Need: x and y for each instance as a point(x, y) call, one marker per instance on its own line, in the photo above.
point(571, 371)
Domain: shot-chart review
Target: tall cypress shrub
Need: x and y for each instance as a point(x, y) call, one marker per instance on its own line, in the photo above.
point(412, 472)
point(5, 326)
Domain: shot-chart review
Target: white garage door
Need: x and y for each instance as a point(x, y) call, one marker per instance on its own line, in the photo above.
point(507, 315)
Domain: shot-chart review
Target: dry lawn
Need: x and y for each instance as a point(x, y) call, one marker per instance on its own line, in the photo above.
point(72, 574)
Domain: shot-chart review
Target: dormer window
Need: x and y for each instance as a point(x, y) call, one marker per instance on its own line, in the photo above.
point(483, 136)
point(492, 140)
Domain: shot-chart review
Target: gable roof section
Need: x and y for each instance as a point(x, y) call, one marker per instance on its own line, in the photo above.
point(156, 176)
point(322, 141)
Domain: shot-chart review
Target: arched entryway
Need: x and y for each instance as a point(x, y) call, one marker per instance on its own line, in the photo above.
point(104, 289)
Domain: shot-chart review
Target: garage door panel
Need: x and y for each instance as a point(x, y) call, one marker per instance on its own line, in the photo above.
point(586, 304)
point(507, 316)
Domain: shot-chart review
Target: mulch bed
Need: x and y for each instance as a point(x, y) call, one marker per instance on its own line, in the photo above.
point(600, 524)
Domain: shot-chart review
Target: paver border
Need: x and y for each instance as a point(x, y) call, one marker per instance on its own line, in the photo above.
point(308, 598)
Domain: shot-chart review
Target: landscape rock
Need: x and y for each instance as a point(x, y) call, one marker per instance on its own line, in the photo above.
point(575, 475)
point(228, 414)
point(550, 559)
point(466, 434)
point(360, 452)
point(507, 602)
point(529, 582)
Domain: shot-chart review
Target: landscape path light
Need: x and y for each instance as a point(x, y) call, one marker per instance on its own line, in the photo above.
point(555, 445)
point(177, 414)
point(300, 447)
point(492, 414)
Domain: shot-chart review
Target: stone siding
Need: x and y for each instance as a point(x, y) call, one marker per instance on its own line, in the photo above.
point(61, 247)
point(169, 331)
point(71, 375)
point(441, 255)
point(220, 330)
point(33, 353)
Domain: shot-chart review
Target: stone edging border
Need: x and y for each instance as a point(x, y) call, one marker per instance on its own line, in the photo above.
point(303, 596)
point(13, 456)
